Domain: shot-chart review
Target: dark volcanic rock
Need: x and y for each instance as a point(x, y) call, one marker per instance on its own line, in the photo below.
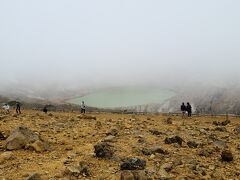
point(156, 132)
point(221, 129)
point(133, 164)
point(175, 139)
point(224, 123)
point(34, 176)
point(192, 144)
point(237, 130)
point(2, 137)
point(103, 150)
point(155, 150)
point(227, 156)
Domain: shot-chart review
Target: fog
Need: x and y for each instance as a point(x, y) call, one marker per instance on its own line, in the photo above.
point(90, 44)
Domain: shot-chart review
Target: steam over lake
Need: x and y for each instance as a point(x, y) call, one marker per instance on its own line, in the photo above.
point(114, 98)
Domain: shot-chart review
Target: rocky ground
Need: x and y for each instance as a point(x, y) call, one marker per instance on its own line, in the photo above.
point(58, 145)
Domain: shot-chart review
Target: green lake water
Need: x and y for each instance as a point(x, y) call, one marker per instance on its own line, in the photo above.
point(114, 98)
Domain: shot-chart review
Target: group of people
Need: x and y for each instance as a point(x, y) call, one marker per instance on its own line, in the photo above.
point(186, 109)
point(6, 108)
point(82, 109)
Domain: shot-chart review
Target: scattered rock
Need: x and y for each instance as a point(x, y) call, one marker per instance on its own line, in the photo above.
point(72, 171)
point(84, 168)
point(175, 139)
point(156, 132)
point(204, 152)
point(6, 156)
point(20, 137)
point(103, 150)
point(224, 123)
point(169, 121)
point(221, 129)
point(127, 175)
point(227, 155)
point(220, 144)
point(237, 130)
point(84, 116)
point(38, 146)
point(113, 132)
point(34, 176)
point(133, 164)
point(50, 115)
point(192, 144)
point(2, 137)
point(15, 115)
point(109, 138)
point(154, 150)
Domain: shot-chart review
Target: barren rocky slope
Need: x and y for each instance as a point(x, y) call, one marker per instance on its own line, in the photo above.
point(95, 146)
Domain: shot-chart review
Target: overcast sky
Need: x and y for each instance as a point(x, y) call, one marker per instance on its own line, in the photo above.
point(110, 42)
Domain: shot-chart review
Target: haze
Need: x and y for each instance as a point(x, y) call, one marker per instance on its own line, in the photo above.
point(118, 43)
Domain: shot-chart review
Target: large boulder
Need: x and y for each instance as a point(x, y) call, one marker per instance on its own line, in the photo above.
point(133, 164)
point(103, 150)
point(20, 137)
point(175, 139)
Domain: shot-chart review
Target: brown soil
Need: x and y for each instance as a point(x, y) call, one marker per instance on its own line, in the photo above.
point(72, 138)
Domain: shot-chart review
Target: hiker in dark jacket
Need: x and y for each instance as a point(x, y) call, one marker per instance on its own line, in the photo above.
point(183, 109)
point(18, 108)
point(189, 109)
point(45, 110)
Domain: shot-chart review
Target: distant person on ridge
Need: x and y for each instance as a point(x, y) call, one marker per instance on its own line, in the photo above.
point(18, 108)
point(189, 109)
point(83, 108)
point(45, 109)
point(183, 109)
point(6, 107)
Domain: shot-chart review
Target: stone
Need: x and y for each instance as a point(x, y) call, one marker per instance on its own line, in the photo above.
point(113, 132)
point(175, 139)
point(34, 176)
point(192, 144)
point(224, 123)
point(20, 137)
point(103, 150)
point(133, 164)
point(155, 150)
point(2, 136)
point(169, 121)
point(84, 168)
point(72, 171)
point(237, 130)
point(167, 167)
point(139, 175)
point(38, 146)
point(204, 152)
point(221, 129)
point(220, 144)
point(109, 138)
point(156, 132)
point(227, 155)
point(127, 175)
point(84, 116)
point(6, 156)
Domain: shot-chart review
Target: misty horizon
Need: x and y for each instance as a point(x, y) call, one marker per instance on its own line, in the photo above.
point(80, 45)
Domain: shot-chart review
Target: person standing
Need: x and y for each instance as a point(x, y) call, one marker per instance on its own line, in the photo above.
point(6, 107)
point(83, 108)
point(183, 109)
point(18, 108)
point(189, 109)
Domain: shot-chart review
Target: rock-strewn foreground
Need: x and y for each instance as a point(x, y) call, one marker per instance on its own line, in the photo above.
point(115, 146)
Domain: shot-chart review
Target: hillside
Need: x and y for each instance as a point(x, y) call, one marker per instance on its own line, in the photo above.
point(70, 138)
